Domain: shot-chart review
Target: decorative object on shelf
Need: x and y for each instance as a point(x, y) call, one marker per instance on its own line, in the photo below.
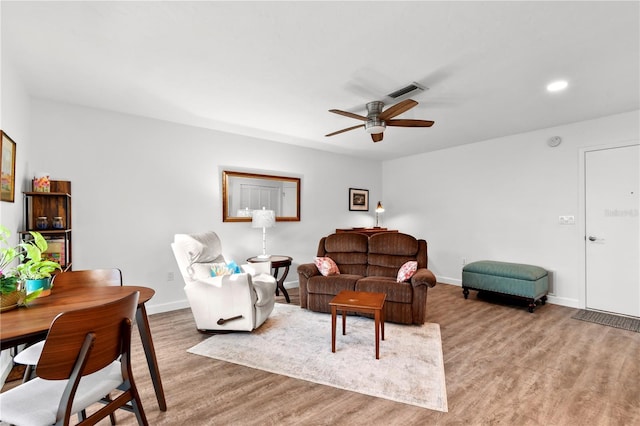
point(358, 199)
point(41, 182)
point(42, 222)
point(243, 192)
point(58, 223)
point(263, 219)
point(379, 210)
point(7, 168)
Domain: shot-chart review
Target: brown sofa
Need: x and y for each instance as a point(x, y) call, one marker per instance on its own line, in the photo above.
point(370, 264)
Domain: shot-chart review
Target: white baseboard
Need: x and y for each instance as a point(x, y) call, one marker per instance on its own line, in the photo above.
point(291, 284)
point(167, 307)
point(182, 304)
point(551, 298)
point(452, 281)
point(564, 301)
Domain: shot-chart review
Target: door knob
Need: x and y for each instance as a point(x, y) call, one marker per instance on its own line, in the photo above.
point(592, 238)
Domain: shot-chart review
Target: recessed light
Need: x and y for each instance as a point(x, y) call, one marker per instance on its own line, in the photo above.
point(557, 86)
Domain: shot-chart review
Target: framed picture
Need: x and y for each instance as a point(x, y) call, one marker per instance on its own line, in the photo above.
point(358, 199)
point(7, 168)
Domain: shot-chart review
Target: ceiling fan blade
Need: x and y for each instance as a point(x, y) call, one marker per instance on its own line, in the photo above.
point(345, 130)
point(376, 137)
point(410, 123)
point(348, 114)
point(398, 109)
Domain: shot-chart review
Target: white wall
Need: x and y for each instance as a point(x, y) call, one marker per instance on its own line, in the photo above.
point(14, 120)
point(500, 199)
point(137, 181)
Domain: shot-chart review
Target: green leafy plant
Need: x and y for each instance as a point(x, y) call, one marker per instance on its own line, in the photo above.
point(8, 253)
point(35, 267)
point(10, 277)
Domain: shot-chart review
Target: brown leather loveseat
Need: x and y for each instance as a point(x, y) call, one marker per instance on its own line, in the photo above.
point(370, 264)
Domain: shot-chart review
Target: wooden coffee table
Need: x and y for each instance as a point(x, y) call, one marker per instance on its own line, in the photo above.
point(356, 301)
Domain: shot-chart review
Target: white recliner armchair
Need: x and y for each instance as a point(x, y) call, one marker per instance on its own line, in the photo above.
point(238, 302)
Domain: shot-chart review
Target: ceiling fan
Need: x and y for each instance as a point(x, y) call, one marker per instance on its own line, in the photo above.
point(377, 120)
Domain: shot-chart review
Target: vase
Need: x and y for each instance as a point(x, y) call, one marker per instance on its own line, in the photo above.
point(34, 285)
point(10, 300)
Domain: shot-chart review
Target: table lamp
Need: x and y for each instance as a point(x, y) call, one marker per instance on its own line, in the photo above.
point(263, 219)
point(379, 210)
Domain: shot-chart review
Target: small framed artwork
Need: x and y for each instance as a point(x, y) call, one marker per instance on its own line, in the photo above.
point(358, 199)
point(7, 168)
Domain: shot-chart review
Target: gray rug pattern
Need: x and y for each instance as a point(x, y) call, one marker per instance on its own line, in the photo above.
point(296, 342)
point(611, 320)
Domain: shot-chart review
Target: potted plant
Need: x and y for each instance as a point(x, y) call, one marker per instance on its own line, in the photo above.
point(9, 292)
point(36, 271)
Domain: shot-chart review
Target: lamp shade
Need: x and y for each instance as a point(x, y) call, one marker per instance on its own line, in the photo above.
point(263, 218)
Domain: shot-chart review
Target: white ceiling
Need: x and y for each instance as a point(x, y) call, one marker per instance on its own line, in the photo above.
point(273, 69)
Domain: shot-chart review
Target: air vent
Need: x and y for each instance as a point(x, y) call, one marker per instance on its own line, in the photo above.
point(410, 89)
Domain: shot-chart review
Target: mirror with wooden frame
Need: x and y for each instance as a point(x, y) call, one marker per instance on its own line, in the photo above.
point(244, 192)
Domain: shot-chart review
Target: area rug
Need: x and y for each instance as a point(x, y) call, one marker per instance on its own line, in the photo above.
point(296, 342)
point(618, 321)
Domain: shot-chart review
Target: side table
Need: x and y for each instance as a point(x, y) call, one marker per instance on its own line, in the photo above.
point(277, 262)
point(356, 301)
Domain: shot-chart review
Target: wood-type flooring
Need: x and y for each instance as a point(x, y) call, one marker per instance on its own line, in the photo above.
point(503, 365)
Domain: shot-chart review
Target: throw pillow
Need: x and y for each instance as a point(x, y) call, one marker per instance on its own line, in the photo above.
point(326, 266)
point(407, 270)
point(218, 269)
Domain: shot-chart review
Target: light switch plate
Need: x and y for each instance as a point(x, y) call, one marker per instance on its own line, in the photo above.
point(567, 220)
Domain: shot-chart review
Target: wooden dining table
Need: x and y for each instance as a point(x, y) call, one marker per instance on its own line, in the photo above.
point(26, 325)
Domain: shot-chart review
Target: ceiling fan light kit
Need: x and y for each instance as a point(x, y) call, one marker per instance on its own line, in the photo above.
point(375, 126)
point(377, 120)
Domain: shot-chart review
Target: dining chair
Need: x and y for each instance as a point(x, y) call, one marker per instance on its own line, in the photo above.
point(87, 278)
point(86, 355)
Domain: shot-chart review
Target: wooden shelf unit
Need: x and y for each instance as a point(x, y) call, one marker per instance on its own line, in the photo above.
point(56, 203)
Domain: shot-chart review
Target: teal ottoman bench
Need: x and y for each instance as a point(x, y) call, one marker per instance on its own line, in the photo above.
point(527, 282)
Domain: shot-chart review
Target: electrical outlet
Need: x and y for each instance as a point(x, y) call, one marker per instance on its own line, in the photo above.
point(169, 276)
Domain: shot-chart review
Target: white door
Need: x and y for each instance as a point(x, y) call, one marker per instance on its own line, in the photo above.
point(612, 236)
